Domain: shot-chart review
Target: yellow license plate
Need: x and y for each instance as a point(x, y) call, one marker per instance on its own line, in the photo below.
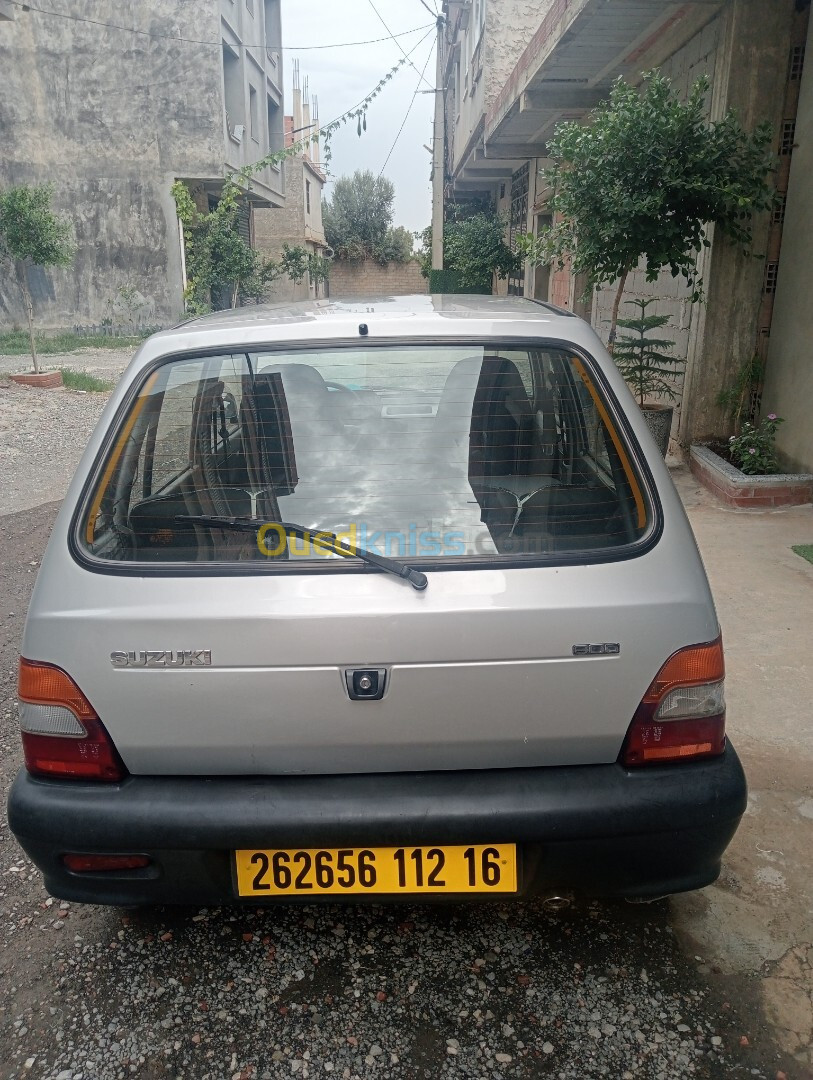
point(490, 868)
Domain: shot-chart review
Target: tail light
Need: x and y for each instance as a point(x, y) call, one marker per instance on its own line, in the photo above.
point(682, 714)
point(96, 864)
point(62, 735)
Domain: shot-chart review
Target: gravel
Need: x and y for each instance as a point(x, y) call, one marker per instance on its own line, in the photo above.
point(42, 436)
point(456, 992)
point(103, 363)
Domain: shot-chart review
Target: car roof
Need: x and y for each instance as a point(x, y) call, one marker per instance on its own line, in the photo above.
point(392, 317)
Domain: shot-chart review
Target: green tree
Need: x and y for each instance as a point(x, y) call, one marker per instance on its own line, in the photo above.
point(31, 234)
point(358, 219)
point(218, 259)
point(644, 178)
point(645, 362)
point(474, 248)
point(397, 246)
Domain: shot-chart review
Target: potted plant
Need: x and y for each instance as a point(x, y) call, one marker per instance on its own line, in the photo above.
point(649, 368)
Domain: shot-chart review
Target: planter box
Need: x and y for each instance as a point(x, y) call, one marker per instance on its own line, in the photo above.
point(735, 488)
point(46, 380)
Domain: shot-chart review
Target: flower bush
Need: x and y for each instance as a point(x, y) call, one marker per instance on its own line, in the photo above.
point(753, 450)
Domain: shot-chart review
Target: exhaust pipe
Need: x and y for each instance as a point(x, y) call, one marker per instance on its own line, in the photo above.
point(556, 903)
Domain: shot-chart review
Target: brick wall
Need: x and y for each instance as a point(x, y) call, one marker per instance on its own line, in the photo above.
point(369, 278)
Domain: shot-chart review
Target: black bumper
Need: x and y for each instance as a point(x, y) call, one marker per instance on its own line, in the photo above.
point(599, 830)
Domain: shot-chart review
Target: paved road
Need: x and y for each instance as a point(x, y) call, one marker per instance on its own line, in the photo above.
point(711, 985)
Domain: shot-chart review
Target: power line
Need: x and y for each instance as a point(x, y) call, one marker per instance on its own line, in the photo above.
point(202, 41)
point(409, 110)
point(434, 13)
point(376, 89)
point(393, 36)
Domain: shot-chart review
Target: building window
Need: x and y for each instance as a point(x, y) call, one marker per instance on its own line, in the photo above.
point(797, 62)
point(233, 92)
point(788, 137)
point(458, 96)
point(778, 215)
point(771, 274)
point(475, 29)
point(307, 196)
point(276, 136)
point(253, 113)
point(542, 270)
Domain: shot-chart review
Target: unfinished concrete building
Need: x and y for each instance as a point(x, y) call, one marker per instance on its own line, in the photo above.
point(515, 69)
point(299, 224)
point(113, 104)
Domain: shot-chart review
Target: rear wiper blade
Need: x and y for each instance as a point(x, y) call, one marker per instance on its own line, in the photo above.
point(319, 538)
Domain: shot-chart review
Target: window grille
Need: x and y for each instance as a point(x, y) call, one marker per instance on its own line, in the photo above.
point(788, 137)
point(519, 224)
point(797, 62)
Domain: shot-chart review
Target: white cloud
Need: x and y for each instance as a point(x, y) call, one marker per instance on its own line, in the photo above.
point(341, 77)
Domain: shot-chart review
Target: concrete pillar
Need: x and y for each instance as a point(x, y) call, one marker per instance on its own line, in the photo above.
point(789, 372)
point(750, 77)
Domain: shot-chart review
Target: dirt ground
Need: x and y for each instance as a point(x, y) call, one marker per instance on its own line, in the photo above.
point(715, 984)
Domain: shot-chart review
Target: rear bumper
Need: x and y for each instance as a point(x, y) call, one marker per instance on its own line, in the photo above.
point(599, 830)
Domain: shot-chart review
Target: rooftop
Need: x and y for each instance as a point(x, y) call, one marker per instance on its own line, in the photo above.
point(384, 316)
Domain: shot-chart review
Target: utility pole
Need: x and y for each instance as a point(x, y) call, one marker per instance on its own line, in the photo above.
point(438, 154)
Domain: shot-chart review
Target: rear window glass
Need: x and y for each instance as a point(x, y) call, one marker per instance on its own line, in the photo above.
point(436, 452)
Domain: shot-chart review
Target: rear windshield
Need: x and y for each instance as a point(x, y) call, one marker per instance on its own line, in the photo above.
point(438, 452)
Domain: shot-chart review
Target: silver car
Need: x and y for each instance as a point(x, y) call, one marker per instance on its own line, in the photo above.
point(383, 598)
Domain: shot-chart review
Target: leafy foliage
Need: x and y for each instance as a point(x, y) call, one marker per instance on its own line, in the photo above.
point(30, 230)
point(297, 261)
point(753, 451)
point(358, 220)
point(644, 361)
point(31, 233)
point(736, 400)
point(397, 246)
point(645, 177)
point(474, 247)
point(218, 259)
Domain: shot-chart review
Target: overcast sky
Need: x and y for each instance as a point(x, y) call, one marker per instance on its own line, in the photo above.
point(340, 78)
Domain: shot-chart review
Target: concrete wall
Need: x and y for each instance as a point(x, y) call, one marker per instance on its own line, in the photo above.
point(110, 118)
point(752, 72)
point(744, 52)
point(487, 57)
point(253, 32)
point(510, 25)
point(788, 387)
point(369, 278)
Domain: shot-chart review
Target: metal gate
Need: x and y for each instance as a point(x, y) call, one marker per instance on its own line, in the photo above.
point(518, 224)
